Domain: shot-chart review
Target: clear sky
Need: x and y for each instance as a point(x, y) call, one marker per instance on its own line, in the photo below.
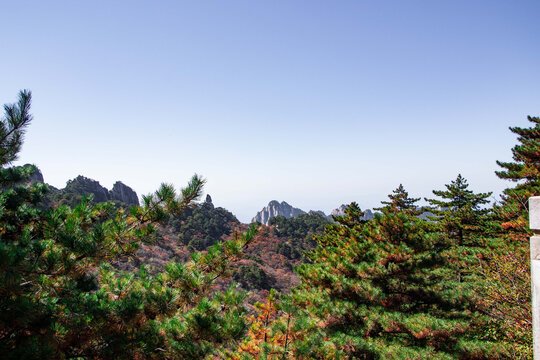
point(317, 103)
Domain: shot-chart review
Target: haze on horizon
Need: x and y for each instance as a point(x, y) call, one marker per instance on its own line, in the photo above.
point(315, 103)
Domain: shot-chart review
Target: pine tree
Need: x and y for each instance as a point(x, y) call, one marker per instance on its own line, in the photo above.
point(507, 290)
point(60, 298)
point(461, 217)
point(384, 289)
point(460, 212)
point(513, 212)
point(400, 201)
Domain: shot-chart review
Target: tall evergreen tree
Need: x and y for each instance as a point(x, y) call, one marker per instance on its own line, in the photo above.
point(460, 211)
point(60, 299)
point(507, 290)
point(513, 212)
point(461, 216)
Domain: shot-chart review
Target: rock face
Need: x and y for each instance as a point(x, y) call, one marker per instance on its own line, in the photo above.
point(120, 192)
point(208, 202)
point(36, 177)
point(83, 185)
point(318, 212)
point(275, 208)
point(124, 193)
point(340, 211)
point(368, 215)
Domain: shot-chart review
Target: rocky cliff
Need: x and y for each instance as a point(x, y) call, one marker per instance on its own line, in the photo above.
point(275, 208)
point(318, 212)
point(80, 186)
point(36, 177)
point(123, 193)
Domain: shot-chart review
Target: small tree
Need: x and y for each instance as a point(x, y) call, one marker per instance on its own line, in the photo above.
point(274, 329)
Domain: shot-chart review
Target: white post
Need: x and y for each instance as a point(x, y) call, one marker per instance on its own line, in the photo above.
point(534, 223)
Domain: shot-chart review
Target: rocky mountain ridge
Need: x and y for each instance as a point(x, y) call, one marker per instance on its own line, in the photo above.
point(119, 192)
point(82, 185)
point(340, 211)
point(275, 208)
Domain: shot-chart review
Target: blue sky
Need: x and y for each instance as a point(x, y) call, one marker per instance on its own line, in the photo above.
point(317, 103)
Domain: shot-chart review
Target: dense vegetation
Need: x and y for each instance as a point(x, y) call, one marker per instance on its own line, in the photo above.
point(251, 277)
point(300, 227)
point(203, 225)
point(390, 288)
point(399, 287)
point(61, 299)
point(298, 231)
point(454, 286)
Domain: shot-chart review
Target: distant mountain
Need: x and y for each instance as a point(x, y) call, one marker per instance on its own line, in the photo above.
point(75, 189)
point(340, 211)
point(317, 212)
point(80, 186)
point(275, 208)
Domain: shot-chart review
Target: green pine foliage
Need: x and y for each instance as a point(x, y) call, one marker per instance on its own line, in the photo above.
point(513, 212)
point(386, 289)
point(399, 200)
point(299, 227)
point(298, 231)
point(460, 212)
point(252, 276)
point(462, 216)
point(13, 126)
point(60, 298)
point(203, 225)
point(507, 290)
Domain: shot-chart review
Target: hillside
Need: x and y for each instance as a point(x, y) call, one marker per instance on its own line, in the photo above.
point(269, 260)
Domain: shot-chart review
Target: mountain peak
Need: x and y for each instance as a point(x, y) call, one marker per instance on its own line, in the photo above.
point(275, 208)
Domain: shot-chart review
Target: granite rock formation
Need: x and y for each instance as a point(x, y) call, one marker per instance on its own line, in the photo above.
point(83, 185)
point(275, 208)
point(80, 186)
point(36, 177)
point(123, 193)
